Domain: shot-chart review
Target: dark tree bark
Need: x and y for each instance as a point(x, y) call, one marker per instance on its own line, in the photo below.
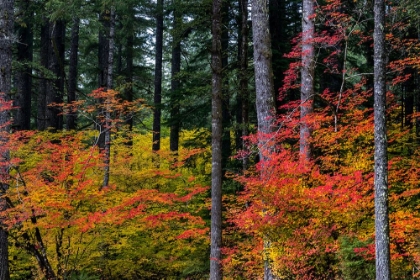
point(109, 85)
point(264, 86)
point(6, 41)
point(42, 96)
point(278, 26)
point(103, 49)
point(383, 266)
point(73, 71)
point(175, 122)
point(243, 96)
point(307, 76)
point(216, 143)
point(23, 77)
point(226, 118)
point(103, 56)
point(128, 92)
point(55, 86)
point(157, 111)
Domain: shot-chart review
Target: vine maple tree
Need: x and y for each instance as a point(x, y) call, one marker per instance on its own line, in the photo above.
point(64, 218)
point(311, 211)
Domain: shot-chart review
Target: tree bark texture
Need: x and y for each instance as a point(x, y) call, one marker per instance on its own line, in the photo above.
point(55, 86)
point(307, 76)
point(277, 10)
point(243, 116)
point(109, 85)
point(6, 41)
point(264, 86)
point(157, 111)
point(23, 78)
point(175, 122)
point(73, 73)
point(42, 92)
point(383, 266)
point(216, 143)
point(226, 115)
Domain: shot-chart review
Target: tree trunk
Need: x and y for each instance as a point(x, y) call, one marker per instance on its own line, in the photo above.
point(278, 26)
point(381, 158)
point(42, 93)
point(6, 41)
point(109, 85)
point(264, 86)
point(243, 75)
point(55, 87)
point(307, 77)
point(22, 119)
point(73, 73)
point(157, 112)
point(216, 144)
point(128, 92)
point(226, 119)
point(175, 123)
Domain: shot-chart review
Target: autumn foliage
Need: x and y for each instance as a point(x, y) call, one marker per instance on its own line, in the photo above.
point(147, 222)
point(318, 216)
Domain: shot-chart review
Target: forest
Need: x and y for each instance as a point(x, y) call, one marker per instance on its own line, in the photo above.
point(209, 139)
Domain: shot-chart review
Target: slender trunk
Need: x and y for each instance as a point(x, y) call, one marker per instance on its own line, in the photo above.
point(279, 38)
point(73, 73)
point(128, 92)
point(157, 112)
point(216, 144)
point(307, 77)
point(55, 87)
point(243, 76)
point(383, 266)
point(6, 41)
point(42, 93)
point(103, 56)
point(264, 86)
point(22, 119)
point(103, 49)
point(175, 122)
point(109, 85)
point(226, 118)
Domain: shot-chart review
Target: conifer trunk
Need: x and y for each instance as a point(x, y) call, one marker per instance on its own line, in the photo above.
point(6, 41)
point(216, 144)
point(307, 77)
point(109, 85)
point(264, 86)
point(157, 111)
point(73, 70)
point(175, 124)
point(381, 158)
point(23, 78)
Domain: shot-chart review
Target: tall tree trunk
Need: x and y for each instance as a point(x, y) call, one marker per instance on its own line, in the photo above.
point(109, 85)
point(264, 86)
point(128, 92)
point(307, 76)
point(243, 74)
point(42, 92)
point(73, 73)
point(226, 119)
point(278, 26)
point(175, 123)
point(103, 56)
point(157, 112)
point(6, 41)
point(216, 143)
point(55, 87)
point(23, 78)
point(103, 49)
point(383, 266)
